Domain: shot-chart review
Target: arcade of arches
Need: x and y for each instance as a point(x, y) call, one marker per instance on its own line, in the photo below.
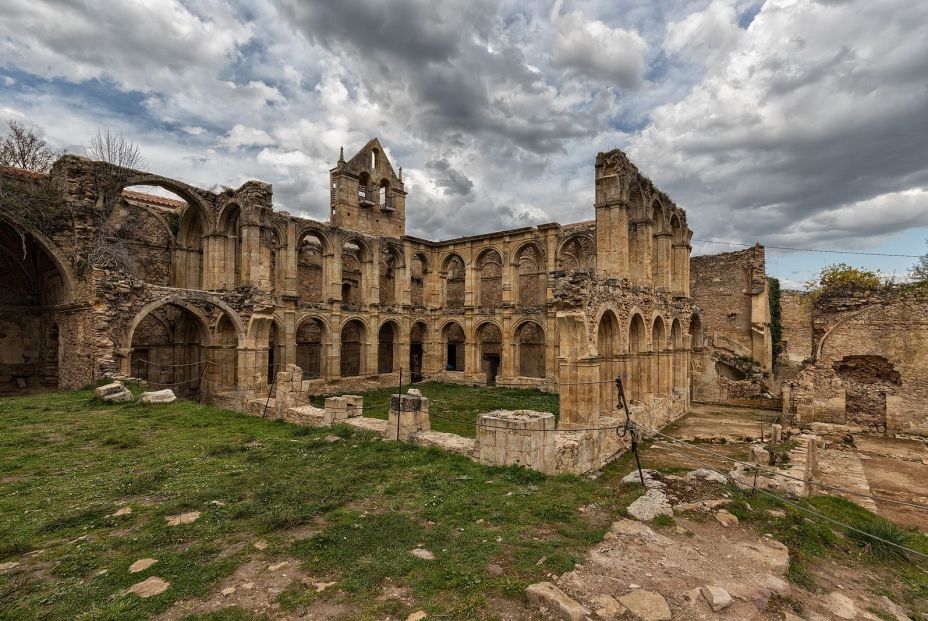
point(227, 291)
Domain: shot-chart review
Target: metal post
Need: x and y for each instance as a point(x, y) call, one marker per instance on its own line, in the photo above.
point(269, 390)
point(399, 403)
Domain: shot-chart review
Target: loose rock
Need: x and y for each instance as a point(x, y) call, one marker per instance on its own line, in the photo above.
point(546, 595)
point(841, 606)
point(109, 389)
point(649, 506)
point(149, 587)
point(121, 512)
point(646, 605)
point(184, 518)
point(717, 597)
point(422, 553)
point(123, 395)
point(725, 518)
point(607, 607)
point(707, 475)
point(141, 565)
point(416, 616)
point(158, 396)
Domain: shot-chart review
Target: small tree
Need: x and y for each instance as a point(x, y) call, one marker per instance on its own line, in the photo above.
point(23, 148)
point(919, 271)
point(843, 277)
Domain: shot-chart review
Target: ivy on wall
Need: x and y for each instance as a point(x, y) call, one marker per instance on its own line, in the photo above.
point(776, 324)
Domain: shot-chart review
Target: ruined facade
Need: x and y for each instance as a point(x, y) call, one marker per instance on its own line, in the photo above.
point(735, 361)
point(218, 290)
point(858, 358)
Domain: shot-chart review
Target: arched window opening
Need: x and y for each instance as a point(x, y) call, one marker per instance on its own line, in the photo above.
point(454, 345)
point(608, 345)
point(387, 270)
point(491, 351)
point(417, 338)
point(230, 227)
point(309, 348)
point(310, 269)
point(679, 369)
point(386, 197)
point(31, 287)
point(530, 339)
point(189, 259)
point(386, 346)
point(490, 267)
point(417, 281)
point(637, 372)
point(351, 274)
point(352, 349)
point(578, 253)
point(696, 336)
point(364, 190)
point(659, 372)
point(168, 351)
point(454, 282)
point(146, 222)
point(375, 156)
point(531, 277)
point(273, 353)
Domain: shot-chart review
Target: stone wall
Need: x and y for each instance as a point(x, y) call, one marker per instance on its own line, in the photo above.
point(868, 365)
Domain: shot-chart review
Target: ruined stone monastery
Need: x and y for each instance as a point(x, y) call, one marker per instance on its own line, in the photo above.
point(217, 292)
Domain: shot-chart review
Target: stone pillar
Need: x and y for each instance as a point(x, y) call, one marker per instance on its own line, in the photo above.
point(812, 471)
point(255, 259)
point(612, 258)
point(663, 261)
point(409, 414)
point(665, 369)
point(578, 396)
point(681, 260)
point(640, 249)
point(339, 409)
point(289, 390)
point(786, 392)
point(521, 437)
point(776, 433)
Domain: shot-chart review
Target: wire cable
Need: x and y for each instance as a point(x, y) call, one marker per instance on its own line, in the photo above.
point(868, 254)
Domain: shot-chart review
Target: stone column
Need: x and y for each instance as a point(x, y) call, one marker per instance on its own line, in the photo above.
point(664, 261)
point(409, 414)
point(578, 397)
point(612, 240)
point(681, 260)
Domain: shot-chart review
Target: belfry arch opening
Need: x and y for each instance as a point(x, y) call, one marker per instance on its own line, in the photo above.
point(32, 288)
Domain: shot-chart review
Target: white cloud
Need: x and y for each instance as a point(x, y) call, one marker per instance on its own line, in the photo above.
point(241, 136)
point(705, 37)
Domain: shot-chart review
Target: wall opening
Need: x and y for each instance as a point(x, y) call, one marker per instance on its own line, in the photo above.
point(867, 379)
point(168, 351)
point(310, 269)
point(352, 279)
point(577, 253)
point(309, 348)
point(231, 230)
point(491, 351)
point(490, 268)
point(386, 346)
point(608, 345)
point(352, 349)
point(417, 337)
point(417, 281)
point(530, 340)
point(454, 282)
point(387, 267)
point(532, 273)
point(454, 347)
point(637, 345)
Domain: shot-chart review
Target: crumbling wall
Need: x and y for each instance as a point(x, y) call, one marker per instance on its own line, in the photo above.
point(869, 366)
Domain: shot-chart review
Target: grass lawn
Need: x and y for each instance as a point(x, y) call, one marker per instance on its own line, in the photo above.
point(454, 408)
point(347, 511)
point(67, 463)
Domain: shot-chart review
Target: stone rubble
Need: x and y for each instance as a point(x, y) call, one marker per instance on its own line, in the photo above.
point(652, 504)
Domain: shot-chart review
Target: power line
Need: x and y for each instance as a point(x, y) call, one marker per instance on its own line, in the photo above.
point(869, 254)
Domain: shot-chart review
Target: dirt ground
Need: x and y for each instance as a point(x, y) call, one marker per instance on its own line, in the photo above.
point(715, 422)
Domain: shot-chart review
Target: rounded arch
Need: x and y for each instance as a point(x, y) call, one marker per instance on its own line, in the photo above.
point(695, 331)
point(448, 257)
point(353, 336)
point(364, 248)
point(418, 270)
point(387, 345)
point(489, 337)
point(531, 280)
point(312, 338)
point(313, 249)
point(658, 334)
point(530, 340)
point(354, 254)
point(454, 341)
point(322, 236)
point(637, 334)
point(490, 272)
point(454, 272)
point(608, 349)
point(424, 260)
point(190, 194)
point(658, 215)
point(576, 252)
point(676, 228)
point(676, 334)
point(49, 248)
point(183, 300)
point(419, 343)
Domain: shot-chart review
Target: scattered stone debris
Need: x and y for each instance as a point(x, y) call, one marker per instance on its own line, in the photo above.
point(650, 478)
point(725, 518)
point(158, 396)
point(717, 597)
point(322, 586)
point(707, 475)
point(114, 392)
point(423, 554)
point(184, 518)
point(260, 545)
point(149, 587)
point(607, 607)
point(330, 438)
point(841, 606)
point(141, 565)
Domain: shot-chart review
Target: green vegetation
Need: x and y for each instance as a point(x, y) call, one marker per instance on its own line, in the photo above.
point(841, 277)
point(776, 321)
point(349, 511)
point(454, 408)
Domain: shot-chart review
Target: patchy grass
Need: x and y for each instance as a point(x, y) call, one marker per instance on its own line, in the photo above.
point(454, 408)
point(350, 511)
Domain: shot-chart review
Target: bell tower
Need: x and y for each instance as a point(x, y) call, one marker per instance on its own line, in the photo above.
point(366, 193)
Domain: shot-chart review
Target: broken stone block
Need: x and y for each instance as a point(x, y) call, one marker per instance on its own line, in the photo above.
point(841, 606)
point(184, 518)
point(108, 389)
point(158, 396)
point(649, 506)
point(116, 397)
point(725, 518)
point(707, 475)
point(759, 456)
point(141, 565)
point(546, 595)
point(717, 597)
point(646, 605)
point(607, 607)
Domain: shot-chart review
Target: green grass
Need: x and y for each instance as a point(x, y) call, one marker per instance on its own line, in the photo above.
point(66, 461)
point(454, 408)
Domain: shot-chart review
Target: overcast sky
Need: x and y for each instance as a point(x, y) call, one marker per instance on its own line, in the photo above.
point(792, 122)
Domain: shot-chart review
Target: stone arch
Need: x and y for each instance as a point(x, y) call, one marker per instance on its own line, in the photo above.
point(313, 250)
point(419, 346)
point(638, 369)
point(678, 366)
point(311, 345)
point(661, 248)
point(531, 281)
point(191, 195)
point(608, 348)
point(659, 368)
point(388, 337)
point(265, 337)
point(229, 232)
point(390, 262)
point(34, 285)
point(186, 300)
point(679, 258)
point(454, 274)
point(453, 341)
point(354, 255)
point(383, 194)
point(577, 252)
point(489, 338)
point(353, 347)
point(695, 332)
point(139, 219)
point(419, 269)
point(189, 256)
point(529, 337)
point(490, 273)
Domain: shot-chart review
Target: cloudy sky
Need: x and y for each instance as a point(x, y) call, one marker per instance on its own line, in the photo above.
point(793, 122)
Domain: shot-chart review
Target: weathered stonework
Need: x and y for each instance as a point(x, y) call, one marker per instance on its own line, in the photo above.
point(217, 293)
point(867, 365)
